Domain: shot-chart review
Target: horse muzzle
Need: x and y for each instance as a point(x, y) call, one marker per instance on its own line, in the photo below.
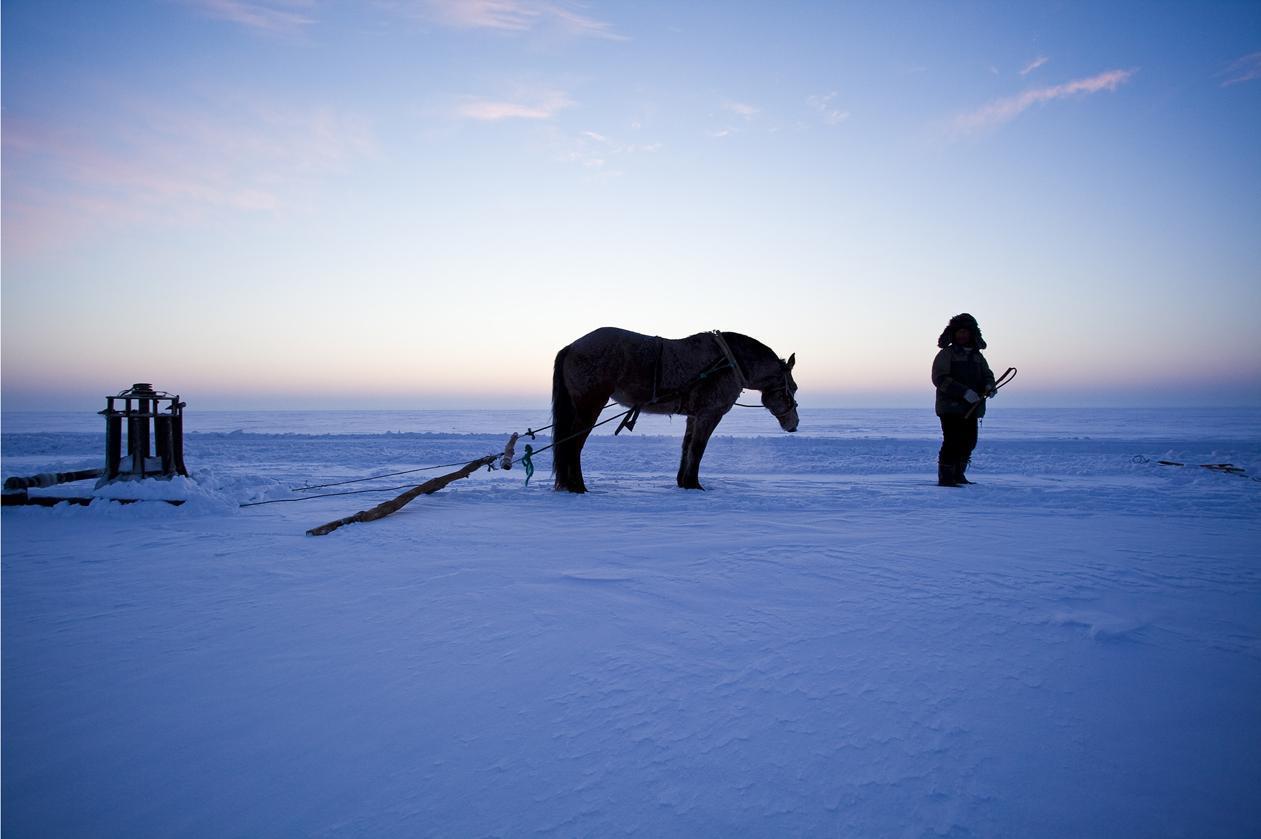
point(788, 417)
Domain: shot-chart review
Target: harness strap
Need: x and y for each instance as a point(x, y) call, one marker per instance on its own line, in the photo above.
point(656, 373)
point(726, 350)
point(628, 421)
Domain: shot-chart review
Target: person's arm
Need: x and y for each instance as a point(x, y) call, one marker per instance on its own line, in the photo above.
point(989, 376)
point(946, 385)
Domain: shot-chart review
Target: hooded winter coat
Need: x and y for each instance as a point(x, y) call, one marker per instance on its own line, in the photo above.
point(961, 372)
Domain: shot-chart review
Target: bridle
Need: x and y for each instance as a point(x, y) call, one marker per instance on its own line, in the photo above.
point(744, 383)
point(787, 389)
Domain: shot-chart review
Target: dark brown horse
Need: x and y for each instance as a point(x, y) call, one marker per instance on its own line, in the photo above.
point(700, 376)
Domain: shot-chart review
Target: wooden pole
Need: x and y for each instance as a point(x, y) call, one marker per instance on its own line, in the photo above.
point(427, 488)
point(20, 498)
point(47, 479)
point(113, 444)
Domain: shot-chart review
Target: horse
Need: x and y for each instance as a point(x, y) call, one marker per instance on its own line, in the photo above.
point(700, 376)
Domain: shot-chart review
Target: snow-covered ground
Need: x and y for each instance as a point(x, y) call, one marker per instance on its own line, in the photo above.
point(823, 643)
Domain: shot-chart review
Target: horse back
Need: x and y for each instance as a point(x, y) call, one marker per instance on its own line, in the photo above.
point(607, 357)
point(634, 368)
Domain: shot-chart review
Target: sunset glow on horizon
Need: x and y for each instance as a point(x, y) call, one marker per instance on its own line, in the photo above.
point(283, 203)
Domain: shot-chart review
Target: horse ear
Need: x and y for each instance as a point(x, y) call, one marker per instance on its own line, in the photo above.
point(792, 359)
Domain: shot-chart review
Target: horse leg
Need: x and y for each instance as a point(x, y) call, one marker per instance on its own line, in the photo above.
point(698, 434)
point(687, 444)
point(586, 413)
point(573, 414)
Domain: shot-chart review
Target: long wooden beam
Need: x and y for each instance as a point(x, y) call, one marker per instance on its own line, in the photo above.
point(21, 498)
point(428, 487)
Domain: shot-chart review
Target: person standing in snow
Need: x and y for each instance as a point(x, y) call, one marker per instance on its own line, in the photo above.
point(963, 380)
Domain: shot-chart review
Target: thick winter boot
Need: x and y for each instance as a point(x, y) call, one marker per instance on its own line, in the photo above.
point(961, 469)
point(946, 474)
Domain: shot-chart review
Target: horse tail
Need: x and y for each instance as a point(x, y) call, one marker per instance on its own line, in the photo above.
point(564, 420)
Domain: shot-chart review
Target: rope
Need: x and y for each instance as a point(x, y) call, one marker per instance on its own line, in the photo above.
point(577, 433)
point(529, 432)
point(326, 495)
point(526, 458)
point(1223, 468)
point(376, 477)
point(713, 368)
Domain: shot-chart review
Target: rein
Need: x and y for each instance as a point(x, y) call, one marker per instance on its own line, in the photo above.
point(1004, 379)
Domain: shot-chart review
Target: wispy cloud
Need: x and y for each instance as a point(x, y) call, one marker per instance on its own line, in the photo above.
point(744, 111)
point(541, 105)
point(1004, 110)
point(1243, 69)
point(514, 16)
point(1033, 65)
point(293, 16)
point(275, 16)
point(829, 113)
point(582, 25)
point(593, 150)
point(172, 164)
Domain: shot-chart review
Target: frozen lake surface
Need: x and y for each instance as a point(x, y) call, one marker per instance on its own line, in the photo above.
point(894, 423)
point(823, 643)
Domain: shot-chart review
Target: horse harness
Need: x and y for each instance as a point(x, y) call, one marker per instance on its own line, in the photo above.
point(728, 361)
point(731, 359)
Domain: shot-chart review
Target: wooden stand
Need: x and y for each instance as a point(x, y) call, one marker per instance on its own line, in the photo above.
point(152, 451)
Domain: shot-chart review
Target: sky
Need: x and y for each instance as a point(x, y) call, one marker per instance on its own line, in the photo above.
point(415, 203)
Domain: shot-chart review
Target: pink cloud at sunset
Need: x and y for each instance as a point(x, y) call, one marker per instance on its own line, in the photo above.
point(1004, 110)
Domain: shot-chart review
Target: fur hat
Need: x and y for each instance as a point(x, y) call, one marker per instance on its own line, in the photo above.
point(959, 322)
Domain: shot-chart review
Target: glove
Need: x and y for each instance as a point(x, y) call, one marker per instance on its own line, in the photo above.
point(972, 397)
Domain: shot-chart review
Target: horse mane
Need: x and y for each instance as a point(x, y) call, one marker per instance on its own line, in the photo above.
point(742, 344)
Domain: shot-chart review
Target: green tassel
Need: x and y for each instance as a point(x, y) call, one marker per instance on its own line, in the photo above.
point(528, 463)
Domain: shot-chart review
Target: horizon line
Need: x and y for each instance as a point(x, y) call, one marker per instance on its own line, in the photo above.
point(1038, 406)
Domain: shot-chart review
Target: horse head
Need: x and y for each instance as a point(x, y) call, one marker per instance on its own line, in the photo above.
point(778, 396)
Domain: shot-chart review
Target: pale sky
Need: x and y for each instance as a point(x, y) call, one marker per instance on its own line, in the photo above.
point(416, 203)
